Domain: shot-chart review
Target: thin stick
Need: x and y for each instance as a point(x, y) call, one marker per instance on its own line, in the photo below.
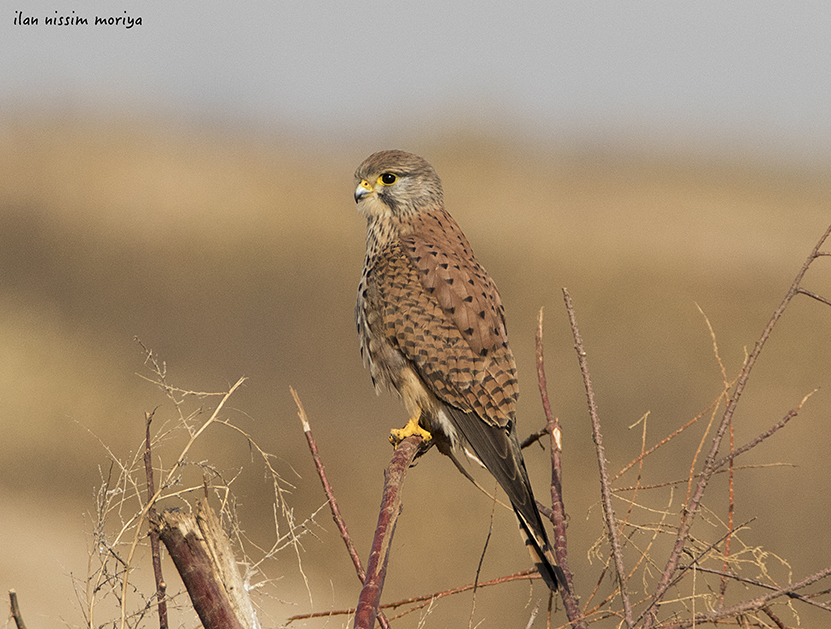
point(691, 507)
point(662, 442)
point(694, 561)
point(379, 555)
point(330, 496)
point(426, 598)
point(153, 519)
point(533, 437)
point(327, 488)
point(605, 487)
point(812, 295)
point(731, 495)
point(760, 438)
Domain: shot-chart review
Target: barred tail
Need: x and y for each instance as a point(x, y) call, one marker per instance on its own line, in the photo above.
point(542, 556)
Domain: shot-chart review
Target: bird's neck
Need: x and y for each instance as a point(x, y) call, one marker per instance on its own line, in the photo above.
point(381, 232)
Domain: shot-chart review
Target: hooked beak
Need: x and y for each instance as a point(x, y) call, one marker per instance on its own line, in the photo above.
point(362, 190)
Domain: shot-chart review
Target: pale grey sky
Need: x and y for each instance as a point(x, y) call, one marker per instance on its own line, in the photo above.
point(737, 72)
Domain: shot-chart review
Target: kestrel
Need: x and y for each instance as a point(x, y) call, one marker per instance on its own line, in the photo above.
point(432, 328)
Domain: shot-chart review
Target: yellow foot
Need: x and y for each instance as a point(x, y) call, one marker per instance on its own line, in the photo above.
point(412, 428)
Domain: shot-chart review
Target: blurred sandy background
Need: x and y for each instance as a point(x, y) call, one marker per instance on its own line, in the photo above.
point(206, 209)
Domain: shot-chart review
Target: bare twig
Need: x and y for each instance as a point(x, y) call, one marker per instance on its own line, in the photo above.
point(682, 481)
point(327, 488)
point(691, 507)
point(533, 616)
point(533, 438)
point(426, 598)
point(137, 518)
point(731, 508)
point(558, 514)
point(370, 598)
point(153, 519)
point(605, 486)
point(124, 486)
point(793, 595)
point(760, 438)
point(479, 567)
point(330, 496)
point(15, 610)
point(748, 606)
point(694, 563)
point(645, 453)
point(813, 295)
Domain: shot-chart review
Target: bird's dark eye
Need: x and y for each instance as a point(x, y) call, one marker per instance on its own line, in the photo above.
point(388, 179)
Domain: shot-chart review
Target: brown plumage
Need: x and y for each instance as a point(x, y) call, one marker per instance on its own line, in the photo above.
point(432, 328)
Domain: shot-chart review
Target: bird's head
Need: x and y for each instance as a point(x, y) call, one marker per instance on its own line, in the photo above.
point(396, 184)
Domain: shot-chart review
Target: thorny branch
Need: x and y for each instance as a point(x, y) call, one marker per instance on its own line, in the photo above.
point(327, 488)
point(605, 486)
point(744, 607)
point(379, 555)
point(557, 514)
point(760, 438)
point(425, 599)
point(766, 586)
point(691, 508)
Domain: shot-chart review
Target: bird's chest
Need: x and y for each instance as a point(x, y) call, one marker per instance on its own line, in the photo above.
point(386, 283)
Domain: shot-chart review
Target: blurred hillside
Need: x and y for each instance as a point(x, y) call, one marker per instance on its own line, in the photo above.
point(231, 254)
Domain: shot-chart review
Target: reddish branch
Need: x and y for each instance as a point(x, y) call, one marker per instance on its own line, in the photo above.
point(691, 508)
point(161, 587)
point(330, 496)
point(605, 486)
point(558, 514)
point(424, 599)
point(370, 598)
point(327, 488)
point(190, 554)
